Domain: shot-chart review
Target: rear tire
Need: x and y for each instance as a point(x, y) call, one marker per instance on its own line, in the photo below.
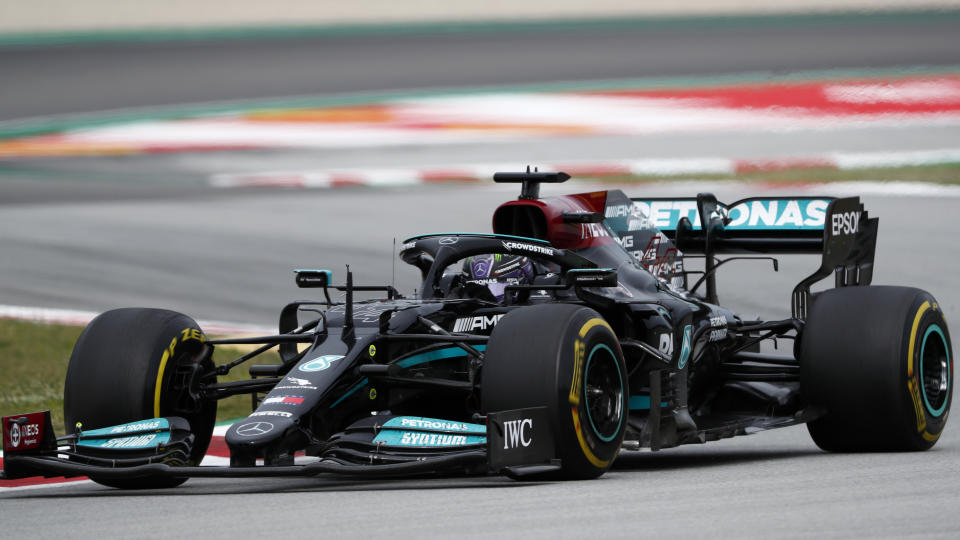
point(878, 361)
point(567, 358)
point(115, 369)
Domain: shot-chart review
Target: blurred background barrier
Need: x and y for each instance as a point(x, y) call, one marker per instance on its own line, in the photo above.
point(43, 16)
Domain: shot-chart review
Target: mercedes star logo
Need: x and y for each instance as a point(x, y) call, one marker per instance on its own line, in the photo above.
point(253, 429)
point(449, 240)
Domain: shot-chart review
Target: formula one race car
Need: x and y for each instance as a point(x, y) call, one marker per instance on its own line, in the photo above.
point(573, 331)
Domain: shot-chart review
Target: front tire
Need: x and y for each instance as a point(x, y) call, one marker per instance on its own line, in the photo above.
point(878, 362)
point(133, 364)
point(567, 358)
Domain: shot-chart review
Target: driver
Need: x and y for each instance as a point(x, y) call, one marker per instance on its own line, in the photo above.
point(497, 271)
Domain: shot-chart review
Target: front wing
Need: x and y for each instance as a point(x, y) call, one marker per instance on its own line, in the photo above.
point(515, 443)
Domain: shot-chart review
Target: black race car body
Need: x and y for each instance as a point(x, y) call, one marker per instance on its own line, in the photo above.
point(614, 343)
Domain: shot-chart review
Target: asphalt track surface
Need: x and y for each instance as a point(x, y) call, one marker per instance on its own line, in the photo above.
point(49, 80)
point(229, 256)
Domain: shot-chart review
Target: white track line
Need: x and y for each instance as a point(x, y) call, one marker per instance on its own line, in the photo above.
point(81, 318)
point(379, 177)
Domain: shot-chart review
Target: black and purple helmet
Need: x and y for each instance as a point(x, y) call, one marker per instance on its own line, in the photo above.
point(497, 271)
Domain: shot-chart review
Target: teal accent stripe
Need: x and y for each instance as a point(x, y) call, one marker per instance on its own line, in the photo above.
point(642, 403)
point(128, 442)
point(350, 392)
point(439, 354)
point(939, 411)
point(586, 372)
point(438, 425)
point(480, 235)
point(150, 425)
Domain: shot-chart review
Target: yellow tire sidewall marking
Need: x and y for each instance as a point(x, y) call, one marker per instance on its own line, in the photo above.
point(913, 335)
point(187, 334)
point(596, 321)
point(579, 353)
point(913, 382)
point(158, 387)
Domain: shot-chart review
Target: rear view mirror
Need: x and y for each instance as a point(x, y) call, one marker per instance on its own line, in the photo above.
point(311, 279)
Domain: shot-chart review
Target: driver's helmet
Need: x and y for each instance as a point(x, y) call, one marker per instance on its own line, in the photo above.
point(497, 271)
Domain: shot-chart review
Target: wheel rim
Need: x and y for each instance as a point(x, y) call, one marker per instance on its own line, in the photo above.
point(935, 370)
point(603, 393)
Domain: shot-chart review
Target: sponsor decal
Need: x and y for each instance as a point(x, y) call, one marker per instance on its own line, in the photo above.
point(583, 277)
point(520, 246)
point(284, 400)
point(579, 352)
point(719, 331)
point(642, 224)
point(515, 433)
point(481, 322)
point(523, 437)
point(845, 223)
point(192, 333)
point(778, 214)
point(253, 429)
point(433, 424)
point(756, 214)
point(620, 210)
point(272, 413)
point(494, 281)
point(136, 441)
point(659, 256)
point(480, 266)
point(320, 363)
point(408, 438)
point(294, 387)
point(428, 440)
point(685, 347)
point(371, 312)
point(592, 230)
point(15, 436)
point(449, 240)
point(23, 432)
point(666, 344)
point(913, 385)
point(139, 426)
point(408, 245)
point(509, 267)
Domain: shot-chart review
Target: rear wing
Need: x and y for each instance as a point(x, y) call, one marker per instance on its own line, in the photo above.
point(838, 229)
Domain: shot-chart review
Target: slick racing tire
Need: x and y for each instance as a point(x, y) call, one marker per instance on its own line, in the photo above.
point(135, 363)
point(878, 362)
point(567, 358)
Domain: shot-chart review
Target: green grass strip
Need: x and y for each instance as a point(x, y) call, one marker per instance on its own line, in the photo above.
point(34, 359)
